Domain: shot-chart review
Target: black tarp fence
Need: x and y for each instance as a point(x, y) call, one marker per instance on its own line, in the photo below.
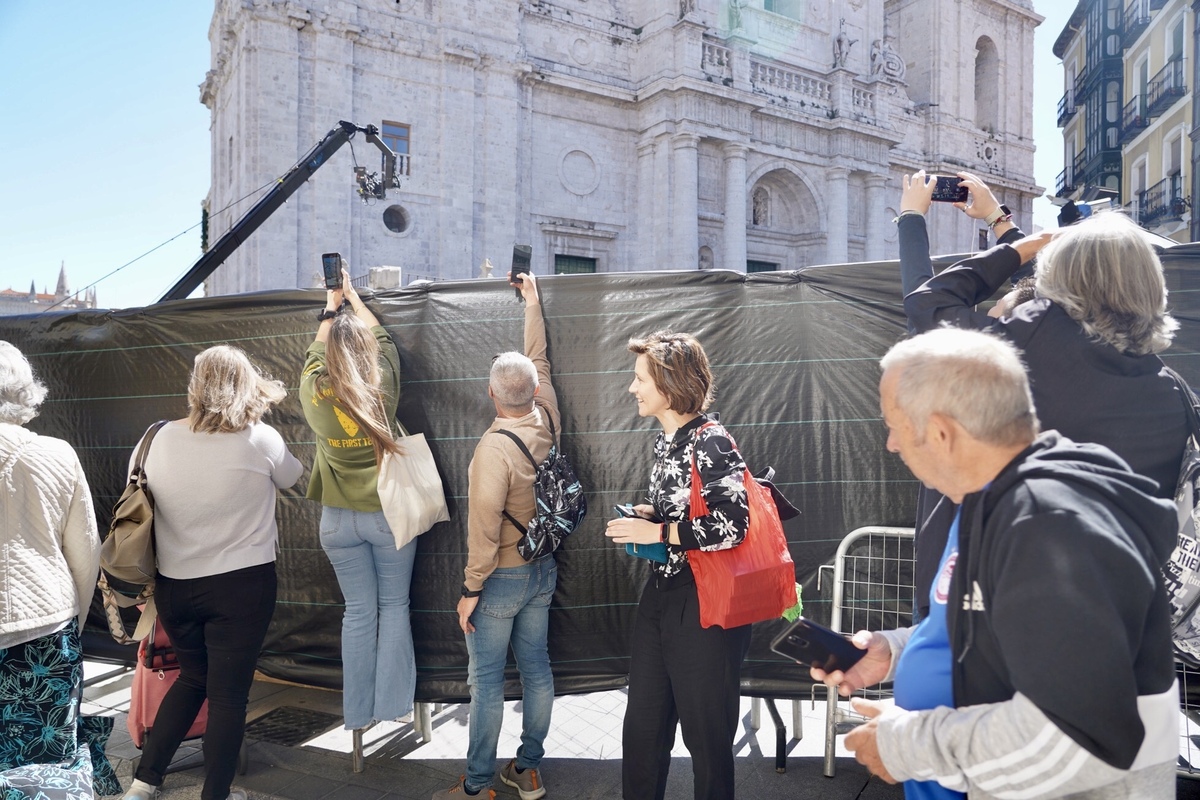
point(796, 361)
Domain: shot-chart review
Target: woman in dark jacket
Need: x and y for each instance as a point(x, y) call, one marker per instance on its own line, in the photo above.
point(1090, 338)
point(680, 672)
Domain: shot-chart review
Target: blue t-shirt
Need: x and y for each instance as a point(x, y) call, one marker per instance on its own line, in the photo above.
point(923, 678)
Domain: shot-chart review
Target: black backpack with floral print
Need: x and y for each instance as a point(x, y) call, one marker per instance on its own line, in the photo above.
point(559, 504)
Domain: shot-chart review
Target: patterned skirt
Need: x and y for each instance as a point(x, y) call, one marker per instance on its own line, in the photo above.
point(47, 750)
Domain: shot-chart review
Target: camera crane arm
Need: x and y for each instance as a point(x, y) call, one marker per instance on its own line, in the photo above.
point(369, 185)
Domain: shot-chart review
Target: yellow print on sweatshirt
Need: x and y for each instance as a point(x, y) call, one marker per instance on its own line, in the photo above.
point(365, 441)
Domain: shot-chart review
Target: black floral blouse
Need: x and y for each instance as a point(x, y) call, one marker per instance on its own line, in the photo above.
point(722, 472)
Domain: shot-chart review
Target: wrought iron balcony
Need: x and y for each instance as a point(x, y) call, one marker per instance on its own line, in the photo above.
point(1137, 19)
point(1133, 119)
point(1163, 202)
point(1165, 88)
point(1066, 108)
point(1065, 183)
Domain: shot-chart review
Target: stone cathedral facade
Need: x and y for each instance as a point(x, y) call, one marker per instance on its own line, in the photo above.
point(612, 135)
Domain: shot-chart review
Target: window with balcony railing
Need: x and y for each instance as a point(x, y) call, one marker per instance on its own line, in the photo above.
point(1167, 86)
point(1163, 202)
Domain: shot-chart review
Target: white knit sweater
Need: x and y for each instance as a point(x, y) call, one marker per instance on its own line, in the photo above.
point(49, 546)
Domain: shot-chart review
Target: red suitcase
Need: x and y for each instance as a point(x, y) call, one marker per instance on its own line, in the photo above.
point(157, 669)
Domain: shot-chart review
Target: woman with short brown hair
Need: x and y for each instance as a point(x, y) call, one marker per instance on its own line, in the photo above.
point(679, 672)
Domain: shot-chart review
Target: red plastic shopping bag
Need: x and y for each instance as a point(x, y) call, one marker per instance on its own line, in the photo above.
point(752, 582)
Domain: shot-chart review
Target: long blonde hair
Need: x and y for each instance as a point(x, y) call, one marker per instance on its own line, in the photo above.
point(227, 393)
point(352, 373)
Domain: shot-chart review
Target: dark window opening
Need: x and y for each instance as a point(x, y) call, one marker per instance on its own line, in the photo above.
point(573, 265)
point(761, 266)
point(396, 219)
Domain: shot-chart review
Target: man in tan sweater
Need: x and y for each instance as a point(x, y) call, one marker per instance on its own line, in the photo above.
point(506, 599)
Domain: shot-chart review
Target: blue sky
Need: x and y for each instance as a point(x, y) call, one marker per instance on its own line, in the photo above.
point(105, 144)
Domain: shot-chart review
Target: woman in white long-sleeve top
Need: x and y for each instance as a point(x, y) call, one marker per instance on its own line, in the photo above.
point(215, 477)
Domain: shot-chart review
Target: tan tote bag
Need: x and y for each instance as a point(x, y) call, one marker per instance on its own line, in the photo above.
point(410, 489)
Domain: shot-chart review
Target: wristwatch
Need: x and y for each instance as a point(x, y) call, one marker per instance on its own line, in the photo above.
point(468, 593)
point(1001, 214)
point(326, 314)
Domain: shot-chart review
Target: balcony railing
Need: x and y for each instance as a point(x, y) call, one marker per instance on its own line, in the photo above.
point(1163, 202)
point(1137, 19)
point(1165, 88)
point(1066, 108)
point(810, 89)
point(717, 61)
point(1133, 119)
point(1065, 183)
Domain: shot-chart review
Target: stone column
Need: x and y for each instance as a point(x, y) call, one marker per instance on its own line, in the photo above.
point(876, 219)
point(837, 194)
point(685, 211)
point(643, 221)
point(735, 207)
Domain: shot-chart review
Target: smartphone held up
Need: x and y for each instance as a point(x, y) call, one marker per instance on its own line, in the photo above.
point(949, 189)
point(332, 265)
point(521, 259)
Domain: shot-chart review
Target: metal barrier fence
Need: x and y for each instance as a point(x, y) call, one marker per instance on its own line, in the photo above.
point(1189, 721)
point(872, 590)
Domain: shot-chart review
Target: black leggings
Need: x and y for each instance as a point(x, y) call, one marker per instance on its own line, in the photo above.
point(680, 673)
point(217, 624)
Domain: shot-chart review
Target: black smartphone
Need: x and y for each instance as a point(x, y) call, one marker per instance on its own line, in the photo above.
point(812, 643)
point(625, 511)
point(522, 256)
point(331, 263)
point(948, 189)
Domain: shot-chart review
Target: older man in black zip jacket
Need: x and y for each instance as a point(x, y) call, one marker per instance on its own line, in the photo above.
point(1044, 668)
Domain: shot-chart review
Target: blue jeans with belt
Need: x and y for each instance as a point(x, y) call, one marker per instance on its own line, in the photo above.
point(514, 608)
point(379, 672)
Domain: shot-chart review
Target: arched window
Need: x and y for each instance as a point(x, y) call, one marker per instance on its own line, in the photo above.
point(987, 85)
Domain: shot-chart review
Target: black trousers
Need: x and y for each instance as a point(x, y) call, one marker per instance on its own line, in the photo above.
point(217, 624)
point(680, 673)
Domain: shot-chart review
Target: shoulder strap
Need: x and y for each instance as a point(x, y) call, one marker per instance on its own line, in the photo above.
point(521, 445)
point(1190, 402)
point(139, 460)
point(528, 455)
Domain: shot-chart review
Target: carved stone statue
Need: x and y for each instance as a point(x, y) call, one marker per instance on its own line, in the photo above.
point(485, 269)
point(760, 207)
point(735, 14)
point(686, 7)
point(841, 45)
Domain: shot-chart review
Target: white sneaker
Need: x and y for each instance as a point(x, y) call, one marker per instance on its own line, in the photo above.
point(236, 794)
point(140, 790)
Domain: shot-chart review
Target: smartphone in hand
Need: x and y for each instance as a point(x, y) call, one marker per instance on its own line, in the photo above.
point(811, 643)
point(522, 256)
point(656, 551)
point(948, 189)
point(331, 264)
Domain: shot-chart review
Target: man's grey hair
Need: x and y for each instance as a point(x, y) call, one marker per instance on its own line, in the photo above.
point(20, 392)
point(1107, 277)
point(972, 377)
point(513, 380)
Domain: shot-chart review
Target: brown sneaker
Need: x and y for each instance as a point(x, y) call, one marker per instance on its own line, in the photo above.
point(528, 783)
point(458, 792)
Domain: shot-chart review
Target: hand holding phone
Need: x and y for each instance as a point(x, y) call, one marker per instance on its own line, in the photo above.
point(947, 189)
point(522, 257)
point(813, 644)
point(332, 265)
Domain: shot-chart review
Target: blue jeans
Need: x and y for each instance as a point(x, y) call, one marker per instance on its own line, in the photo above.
point(514, 607)
point(379, 671)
